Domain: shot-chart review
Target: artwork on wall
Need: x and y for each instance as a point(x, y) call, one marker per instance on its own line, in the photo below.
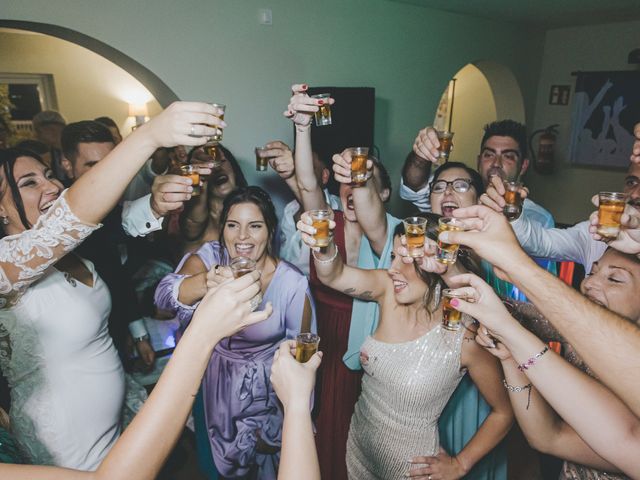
point(606, 106)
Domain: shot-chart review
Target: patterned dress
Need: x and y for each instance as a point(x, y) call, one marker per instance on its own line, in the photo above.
point(404, 390)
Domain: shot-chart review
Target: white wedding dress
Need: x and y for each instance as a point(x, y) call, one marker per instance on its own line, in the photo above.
point(67, 382)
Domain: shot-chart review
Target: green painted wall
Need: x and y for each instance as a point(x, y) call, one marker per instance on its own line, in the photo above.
point(216, 50)
point(567, 192)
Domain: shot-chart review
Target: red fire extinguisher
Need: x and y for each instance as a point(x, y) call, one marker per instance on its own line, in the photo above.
point(543, 160)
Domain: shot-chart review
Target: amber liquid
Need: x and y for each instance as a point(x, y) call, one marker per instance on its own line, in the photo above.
point(609, 214)
point(513, 206)
point(323, 115)
point(447, 252)
point(322, 232)
point(218, 136)
point(304, 351)
point(358, 169)
point(261, 163)
point(445, 147)
point(450, 316)
point(415, 240)
point(195, 182)
point(241, 272)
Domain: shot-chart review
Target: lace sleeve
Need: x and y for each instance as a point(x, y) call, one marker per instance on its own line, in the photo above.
point(26, 256)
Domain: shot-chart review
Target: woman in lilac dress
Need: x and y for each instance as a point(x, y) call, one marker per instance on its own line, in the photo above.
point(243, 418)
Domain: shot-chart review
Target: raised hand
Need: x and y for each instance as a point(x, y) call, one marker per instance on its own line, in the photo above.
point(280, 158)
point(293, 381)
point(226, 309)
point(218, 275)
point(426, 145)
point(628, 239)
point(183, 123)
point(493, 197)
point(169, 192)
point(302, 107)
point(342, 167)
point(307, 231)
point(428, 261)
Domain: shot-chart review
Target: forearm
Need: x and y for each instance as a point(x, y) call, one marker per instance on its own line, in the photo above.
point(311, 195)
point(371, 215)
point(109, 177)
point(154, 431)
point(569, 244)
point(292, 183)
point(329, 272)
point(595, 413)
point(298, 446)
point(192, 289)
point(589, 328)
point(416, 171)
point(543, 428)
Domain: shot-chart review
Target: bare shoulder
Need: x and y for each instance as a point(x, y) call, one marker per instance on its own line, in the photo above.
point(193, 265)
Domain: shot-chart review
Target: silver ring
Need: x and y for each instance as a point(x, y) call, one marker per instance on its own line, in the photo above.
point(193, 130)
point(429, 477)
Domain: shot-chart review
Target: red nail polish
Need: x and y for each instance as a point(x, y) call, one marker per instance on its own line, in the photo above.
point(320, 102)
point(454, 302)
point(304, 86)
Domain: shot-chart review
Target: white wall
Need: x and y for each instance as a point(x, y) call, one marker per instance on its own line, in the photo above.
point(567, 192)
point(87, 85)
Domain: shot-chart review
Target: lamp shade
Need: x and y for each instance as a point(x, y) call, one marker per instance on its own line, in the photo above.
point(138, 110)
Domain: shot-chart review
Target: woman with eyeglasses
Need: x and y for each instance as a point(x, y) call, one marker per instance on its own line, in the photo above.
point(454, 186)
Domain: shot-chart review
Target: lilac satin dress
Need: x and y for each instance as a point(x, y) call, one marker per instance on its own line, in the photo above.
point(239, 402)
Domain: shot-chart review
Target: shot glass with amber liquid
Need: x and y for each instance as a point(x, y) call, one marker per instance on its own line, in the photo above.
point(262, 161)
point(320, 221)
point(217, 137)
point(240, 266)
point(306, 346)
point(323, 115)
point(446, 143)
point(191, 171)
point(359, 156)
point(447, 253)
point(610, 209)
point(451, 318)
point(513, 200)
point(415, 229)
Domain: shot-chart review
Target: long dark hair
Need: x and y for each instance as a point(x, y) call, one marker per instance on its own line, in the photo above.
point(8, 159)
point(433, 281)
point(241, 181)
point(262, 200)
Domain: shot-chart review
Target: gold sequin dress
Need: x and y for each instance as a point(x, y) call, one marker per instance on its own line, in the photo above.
point(405, 387)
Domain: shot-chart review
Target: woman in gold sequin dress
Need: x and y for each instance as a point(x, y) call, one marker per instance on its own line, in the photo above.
point(411, 367)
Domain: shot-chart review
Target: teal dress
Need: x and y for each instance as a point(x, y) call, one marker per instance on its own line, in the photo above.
point(9, 450)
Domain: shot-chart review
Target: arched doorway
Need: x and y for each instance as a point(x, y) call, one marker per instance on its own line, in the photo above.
point(485, 91)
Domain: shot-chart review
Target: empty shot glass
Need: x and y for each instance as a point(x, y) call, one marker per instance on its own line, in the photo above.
point(610, 209)
point(415, 229)
point(191, 171)
point(359, 156)
point(323, 115)
point(216, 138)
point(240, 266)
point(320, 221)
point(447, 253)
point(513, 200)
point(306, 346)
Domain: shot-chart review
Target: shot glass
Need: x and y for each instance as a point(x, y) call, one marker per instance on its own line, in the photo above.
point(323, 115)
point(446, 142)
point(306, 346)
point(216, 138)
point(359, 157)
point(414, 230)
point(611, 206)
point(324, 234)
point(191, 171)
point(447, 253)
point(261, 161)
point(451, 318)
point(513, 200)
point(240, 266)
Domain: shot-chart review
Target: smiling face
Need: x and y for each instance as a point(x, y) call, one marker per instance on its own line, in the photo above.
point(632, 185)
point(444, 203)
point(500, 155)
point(245, 232)
point(408, 287)
point(38, 189)
point(222, 180)
point(614, 283)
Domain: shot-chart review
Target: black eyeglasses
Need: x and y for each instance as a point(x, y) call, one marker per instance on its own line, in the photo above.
point(460, 185)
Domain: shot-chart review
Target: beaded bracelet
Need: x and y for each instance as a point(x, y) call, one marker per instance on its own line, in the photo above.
point(328, 260)
point(531, 362)
point(516, 389)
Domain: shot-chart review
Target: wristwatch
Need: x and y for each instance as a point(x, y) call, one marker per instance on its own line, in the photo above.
point(143, 337)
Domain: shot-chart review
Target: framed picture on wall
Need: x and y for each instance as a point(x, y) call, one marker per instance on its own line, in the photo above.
point(606, 106)
point(29, 94)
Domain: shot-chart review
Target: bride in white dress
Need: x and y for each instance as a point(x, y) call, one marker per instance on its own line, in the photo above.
point(67, 383)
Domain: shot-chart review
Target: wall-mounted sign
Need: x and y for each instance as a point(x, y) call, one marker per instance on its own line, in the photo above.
point(559, 94)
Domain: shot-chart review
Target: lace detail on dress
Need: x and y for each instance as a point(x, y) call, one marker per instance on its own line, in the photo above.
point(26, 256)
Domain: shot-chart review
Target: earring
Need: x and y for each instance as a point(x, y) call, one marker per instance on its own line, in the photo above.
point(5, 220)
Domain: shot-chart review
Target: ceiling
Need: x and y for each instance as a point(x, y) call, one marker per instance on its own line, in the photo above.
point(549, 13)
